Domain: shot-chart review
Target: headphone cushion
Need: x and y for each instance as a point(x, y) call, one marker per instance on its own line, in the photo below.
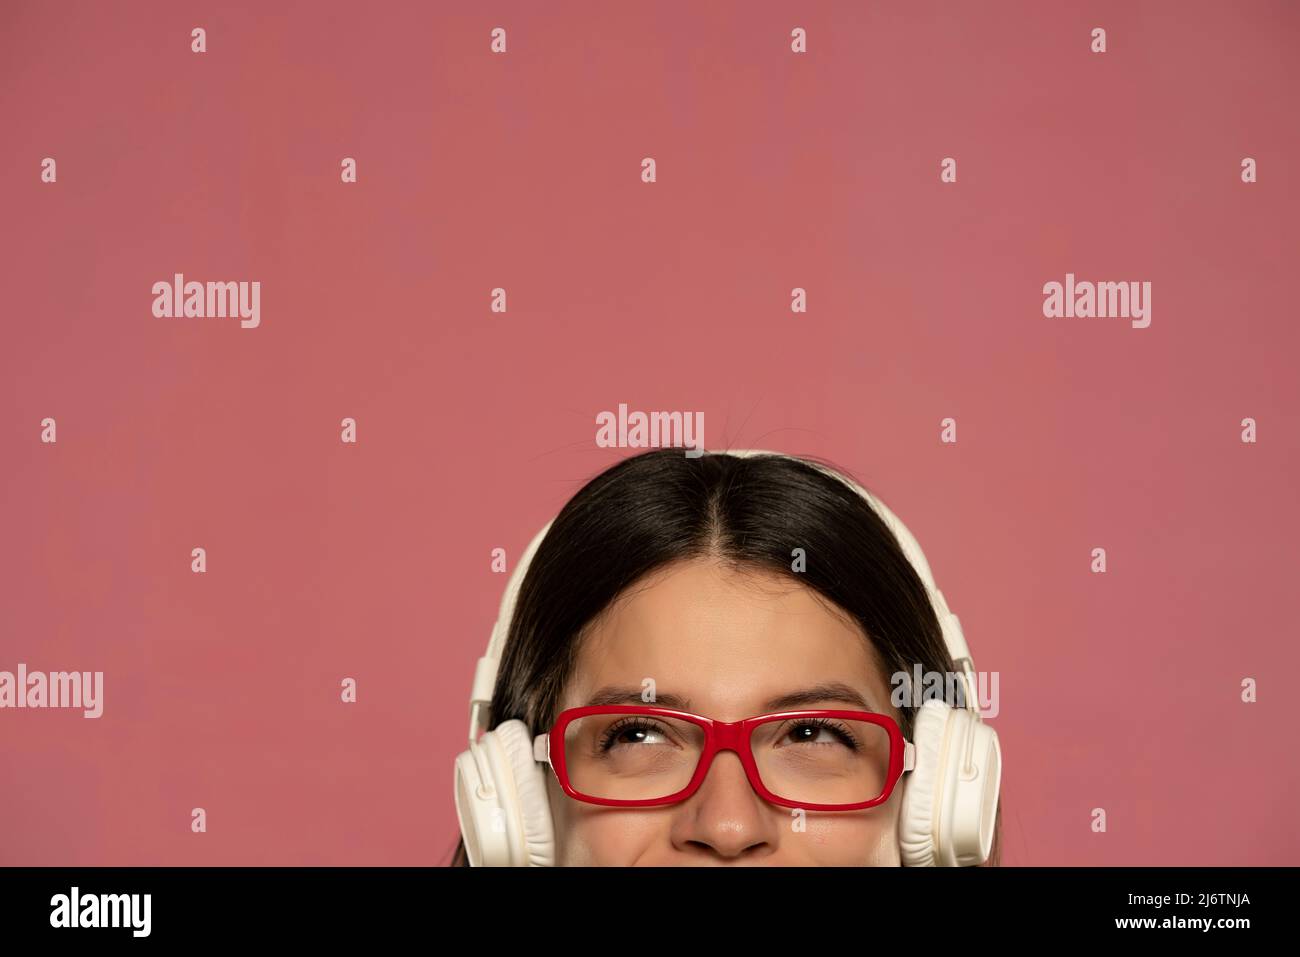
point(483, 803)
point(529, 777)
point(923, 792)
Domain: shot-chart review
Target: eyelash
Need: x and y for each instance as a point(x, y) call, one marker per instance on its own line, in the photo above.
point(839, 730)
point(625, 724)
point(641, 724)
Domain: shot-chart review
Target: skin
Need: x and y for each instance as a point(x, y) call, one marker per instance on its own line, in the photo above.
point(727, 641)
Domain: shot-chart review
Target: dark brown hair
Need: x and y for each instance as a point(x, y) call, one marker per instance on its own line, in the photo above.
point(661, 506)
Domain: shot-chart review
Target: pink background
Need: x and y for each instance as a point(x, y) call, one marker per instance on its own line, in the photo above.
point(775, 170)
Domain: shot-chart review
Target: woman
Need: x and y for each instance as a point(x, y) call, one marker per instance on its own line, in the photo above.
point(672, 599)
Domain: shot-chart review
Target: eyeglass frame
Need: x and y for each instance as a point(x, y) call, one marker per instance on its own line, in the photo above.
point(725, 736)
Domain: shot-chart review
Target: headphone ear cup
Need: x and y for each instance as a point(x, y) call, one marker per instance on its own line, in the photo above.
point(916, 838)
point(482, 820)
point(948, 807)
point(974, 805)
point(501, 801)
point(530, 799)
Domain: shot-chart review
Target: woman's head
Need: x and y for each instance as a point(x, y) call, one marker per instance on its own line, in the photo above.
point(732, 583)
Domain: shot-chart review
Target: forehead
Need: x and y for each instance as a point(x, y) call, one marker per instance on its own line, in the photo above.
point(727, 640)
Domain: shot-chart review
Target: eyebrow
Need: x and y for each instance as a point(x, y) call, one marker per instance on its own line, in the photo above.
point(827, 691)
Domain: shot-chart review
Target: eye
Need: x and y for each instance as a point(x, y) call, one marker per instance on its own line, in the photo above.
point(823, 731)
point(632, 731)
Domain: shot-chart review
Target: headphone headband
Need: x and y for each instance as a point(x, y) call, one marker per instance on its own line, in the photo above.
point(485, 671)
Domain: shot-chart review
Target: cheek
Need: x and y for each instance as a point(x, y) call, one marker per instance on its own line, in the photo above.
point(887, 852)
point(588, 835)
point(862, 839)
point(610, 837)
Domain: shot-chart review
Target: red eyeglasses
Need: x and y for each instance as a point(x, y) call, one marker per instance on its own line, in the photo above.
point(628, 756)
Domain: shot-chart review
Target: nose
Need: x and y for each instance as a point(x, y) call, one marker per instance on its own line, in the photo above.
point(726, 818)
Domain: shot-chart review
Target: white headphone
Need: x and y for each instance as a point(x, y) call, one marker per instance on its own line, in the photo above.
point(949, 799)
